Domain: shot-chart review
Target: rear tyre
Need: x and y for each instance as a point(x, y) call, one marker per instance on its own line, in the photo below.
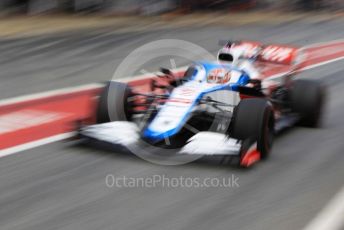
point(113, 104)
point(253, 120)
point(307, 99)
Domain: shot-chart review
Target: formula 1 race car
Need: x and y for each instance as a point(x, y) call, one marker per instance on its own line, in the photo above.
point(232, 107)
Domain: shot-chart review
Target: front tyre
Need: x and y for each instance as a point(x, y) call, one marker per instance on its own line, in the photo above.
point(307, 99)
point(113, 103)
point(253, 120)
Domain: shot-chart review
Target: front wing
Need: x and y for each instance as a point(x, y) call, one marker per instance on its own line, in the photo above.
point(126, 134)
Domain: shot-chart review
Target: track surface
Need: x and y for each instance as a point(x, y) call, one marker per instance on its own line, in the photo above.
point(61, 186)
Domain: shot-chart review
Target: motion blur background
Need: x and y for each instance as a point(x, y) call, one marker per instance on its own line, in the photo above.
point(53, 44)
point(147, 7)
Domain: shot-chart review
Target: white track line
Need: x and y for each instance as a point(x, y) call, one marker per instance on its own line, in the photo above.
point(331, 217)
point(320, 44)
point(49, 94)
point(34, 144)
point(322, 63)
point(306, 68)
point(75, 89)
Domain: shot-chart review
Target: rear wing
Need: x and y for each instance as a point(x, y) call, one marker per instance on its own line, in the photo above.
point(279, 54)
point(276, 54)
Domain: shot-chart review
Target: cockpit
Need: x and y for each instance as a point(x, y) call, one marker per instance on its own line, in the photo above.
point(212, 73)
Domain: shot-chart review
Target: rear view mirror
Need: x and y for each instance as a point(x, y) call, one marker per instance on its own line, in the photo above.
point(166, 71)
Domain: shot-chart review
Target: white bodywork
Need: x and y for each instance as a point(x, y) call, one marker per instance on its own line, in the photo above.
point(211, 143)
point(118, 132)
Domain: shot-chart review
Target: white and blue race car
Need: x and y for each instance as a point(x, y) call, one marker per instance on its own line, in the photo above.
point(226, 108)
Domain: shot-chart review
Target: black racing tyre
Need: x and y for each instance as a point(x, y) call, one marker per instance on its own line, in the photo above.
point(307, 99)
point(113, 103)
point(253, 120)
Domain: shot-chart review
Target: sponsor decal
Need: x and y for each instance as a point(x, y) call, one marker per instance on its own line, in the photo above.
point(279, 54)
point(219, 76)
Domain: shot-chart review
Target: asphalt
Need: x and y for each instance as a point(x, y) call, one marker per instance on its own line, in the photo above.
point(63, 186)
